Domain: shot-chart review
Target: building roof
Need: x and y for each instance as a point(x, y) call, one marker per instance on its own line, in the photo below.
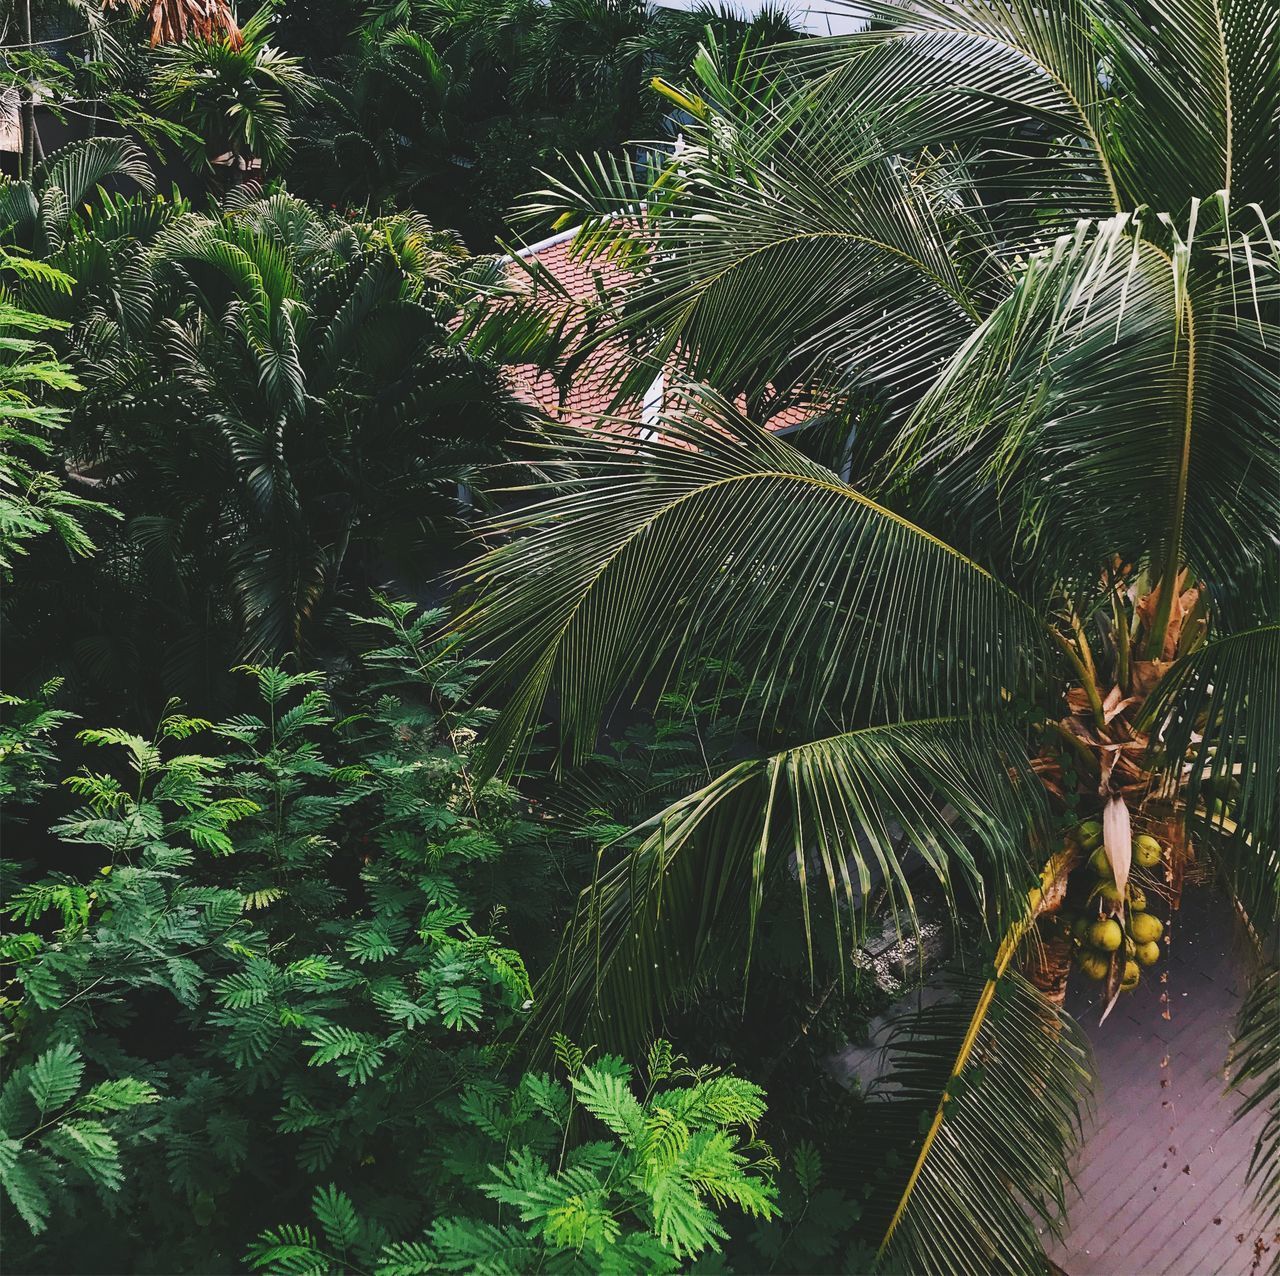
point(586, 394)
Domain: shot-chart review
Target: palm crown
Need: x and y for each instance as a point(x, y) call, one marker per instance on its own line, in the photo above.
point(1029, 254)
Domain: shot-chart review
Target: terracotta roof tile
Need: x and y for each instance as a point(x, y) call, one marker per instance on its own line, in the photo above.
point(591, 389)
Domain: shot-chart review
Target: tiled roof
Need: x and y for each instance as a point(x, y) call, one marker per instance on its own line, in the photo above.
point(587, 393)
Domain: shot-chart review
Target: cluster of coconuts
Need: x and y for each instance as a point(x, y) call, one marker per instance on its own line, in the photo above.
point(1096, 936)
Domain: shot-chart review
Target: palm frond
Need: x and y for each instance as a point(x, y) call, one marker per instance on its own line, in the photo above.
point(991, 1076)
point(1215, 715)
point(1256, 1059)
point(79, 166)
point(715, 536)
point(1114, 380)
point(854, 810)
point(785, 245)
point(1195, 91)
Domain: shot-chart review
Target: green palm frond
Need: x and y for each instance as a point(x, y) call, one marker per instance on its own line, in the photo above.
point(1195, 90)
point(935, 74)
point(848, 810)
point(716, 536)
point(1146, 101)
point(79, 166)
point(1120, 401)
point(984, 1098)
point(786, 248)
point(37, 215)
point(1215, 716)
point(1256, 1059)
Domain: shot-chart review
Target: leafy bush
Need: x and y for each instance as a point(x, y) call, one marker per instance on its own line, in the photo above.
point(285, 961)
point(643, 1198)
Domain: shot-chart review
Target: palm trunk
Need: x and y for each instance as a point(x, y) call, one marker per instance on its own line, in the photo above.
point(1048, 965)
point(26, 109)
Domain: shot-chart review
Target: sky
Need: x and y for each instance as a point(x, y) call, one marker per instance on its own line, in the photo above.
point(821, 17)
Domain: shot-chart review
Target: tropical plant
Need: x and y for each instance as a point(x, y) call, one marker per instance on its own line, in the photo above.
point(328, 416)
point(640, 1197)
point(235, 91)
point(1256, 1056)
point(275, 952)
point(1033, 255)
point(386, 124)
point(34, 499)
point(36, 215)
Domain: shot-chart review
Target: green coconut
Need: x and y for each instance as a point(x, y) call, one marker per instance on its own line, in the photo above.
point(1106, 890)
point(1146, 851)
point(1144, 928)
point(1148, 954)
point(1089, 833)
point(1106, 934)
point(1099, 863)
point(1093, 965)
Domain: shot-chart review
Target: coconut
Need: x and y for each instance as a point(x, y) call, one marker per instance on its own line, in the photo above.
point(1089, 834)
point(1093, 965)
point(1144, 928)
point(1146, 851)
point(1148, 954)
point(1106, 934)
point(1137, 898)
point(1099, 863)
point(1106, 890)
point(1131, 976)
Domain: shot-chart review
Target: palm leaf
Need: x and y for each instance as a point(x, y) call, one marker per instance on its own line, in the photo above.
point(937, 74)
point(785, 244)
point(986, 1089)
point(849, 809)
point(1256, 1056)
point(1114, 379)
point(717, 537)
point(79, 166)
point(1215, 715)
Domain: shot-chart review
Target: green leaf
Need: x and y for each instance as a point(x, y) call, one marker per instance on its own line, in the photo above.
point(55, 1077)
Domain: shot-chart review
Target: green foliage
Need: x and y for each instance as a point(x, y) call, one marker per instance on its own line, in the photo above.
point(34, 497)
point(328, 420)
point(234, 97)
point(640, 1196)
point(1256, 1060)
point(53, 1131)
point(456, 106)
point(289, 932)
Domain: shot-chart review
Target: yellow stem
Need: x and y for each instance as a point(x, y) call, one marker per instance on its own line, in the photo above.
point(1008, 946)
point(1168, 583)
point(1089, 683)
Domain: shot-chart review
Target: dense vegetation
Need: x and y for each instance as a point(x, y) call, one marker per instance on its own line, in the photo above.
point(437, 838)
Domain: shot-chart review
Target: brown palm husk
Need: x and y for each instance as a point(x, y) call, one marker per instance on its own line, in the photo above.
point(174, 21)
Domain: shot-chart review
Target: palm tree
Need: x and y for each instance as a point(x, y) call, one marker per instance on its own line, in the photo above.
point(234, 90)
point(1030, 251)
point(275, 400)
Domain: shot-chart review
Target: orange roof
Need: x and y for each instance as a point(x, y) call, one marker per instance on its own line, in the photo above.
point(588, 392)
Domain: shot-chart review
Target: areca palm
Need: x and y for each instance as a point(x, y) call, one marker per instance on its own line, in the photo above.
point(273, 399)
point(1032, 250)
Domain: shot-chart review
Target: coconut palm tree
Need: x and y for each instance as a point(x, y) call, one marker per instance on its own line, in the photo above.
point(1030, 251)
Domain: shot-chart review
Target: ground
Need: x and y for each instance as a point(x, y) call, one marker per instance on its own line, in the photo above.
point(1162, 1173)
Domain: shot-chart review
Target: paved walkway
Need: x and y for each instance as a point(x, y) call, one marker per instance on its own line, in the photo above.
point(1161, 1174)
